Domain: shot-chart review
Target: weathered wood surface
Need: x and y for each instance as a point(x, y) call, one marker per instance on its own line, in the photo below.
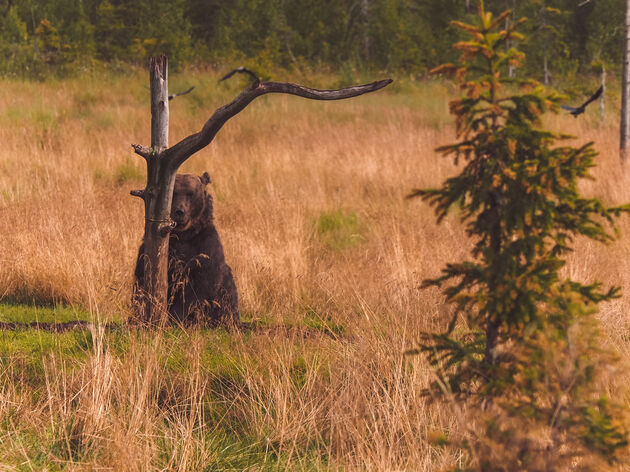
point(157, 196)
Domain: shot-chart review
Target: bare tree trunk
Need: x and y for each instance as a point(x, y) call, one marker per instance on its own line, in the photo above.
point(35, 39)
point(163, 162)
point(508, 44)
point(157, 199)
point(543, 28)
point(625, 90)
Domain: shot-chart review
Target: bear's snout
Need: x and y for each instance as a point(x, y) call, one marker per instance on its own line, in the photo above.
point(179, 215)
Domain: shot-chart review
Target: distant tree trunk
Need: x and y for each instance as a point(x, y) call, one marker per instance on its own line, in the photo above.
point(602, 103)
point(508, 44)
point(35, 39)
point(163, 162)
point(625, 91)
point(546, 73)
point(365, 11)
point(543, 28)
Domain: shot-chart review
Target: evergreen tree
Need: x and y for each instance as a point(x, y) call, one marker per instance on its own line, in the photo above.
point(113, 36)
point(161, 28)
point(522, 342)
point(406, 35)
point(15, 50)
point(48, 41)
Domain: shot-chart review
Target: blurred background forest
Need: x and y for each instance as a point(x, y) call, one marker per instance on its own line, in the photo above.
point(60, 38)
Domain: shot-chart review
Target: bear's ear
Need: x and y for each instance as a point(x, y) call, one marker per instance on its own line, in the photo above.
point(205, 178)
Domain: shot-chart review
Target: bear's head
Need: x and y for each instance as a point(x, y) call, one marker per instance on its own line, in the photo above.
point(191, 203)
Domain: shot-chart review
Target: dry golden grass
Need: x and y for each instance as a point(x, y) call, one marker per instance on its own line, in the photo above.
point(291, 401)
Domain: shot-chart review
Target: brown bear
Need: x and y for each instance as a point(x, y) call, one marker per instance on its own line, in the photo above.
point(201, 287)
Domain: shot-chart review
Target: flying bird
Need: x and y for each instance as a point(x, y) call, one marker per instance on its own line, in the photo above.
point(579, 110)
point(172, 96)
point(240, 70)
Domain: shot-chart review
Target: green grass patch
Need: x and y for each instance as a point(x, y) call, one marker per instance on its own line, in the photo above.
point(45, 120)
point(128, 172)
point(19, 313)
point(234, 454)
point(23, 354)
point(29, 357)
point(340, 229)
point(314, 320)
point(86, 100)
point(36, 117)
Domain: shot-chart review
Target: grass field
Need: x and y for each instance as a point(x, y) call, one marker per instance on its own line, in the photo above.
point(327, 254)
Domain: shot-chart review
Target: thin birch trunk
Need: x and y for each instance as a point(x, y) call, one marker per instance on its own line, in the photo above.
point(546, 73)
point(625, 90)
point(508, 44)
point(602, 103)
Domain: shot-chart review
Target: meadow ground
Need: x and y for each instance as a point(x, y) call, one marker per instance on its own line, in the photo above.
point(328, 257)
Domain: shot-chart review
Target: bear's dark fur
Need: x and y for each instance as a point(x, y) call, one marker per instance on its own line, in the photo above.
point(201, 287)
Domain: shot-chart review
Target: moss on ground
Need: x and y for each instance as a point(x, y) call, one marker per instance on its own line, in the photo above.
point(37, 437)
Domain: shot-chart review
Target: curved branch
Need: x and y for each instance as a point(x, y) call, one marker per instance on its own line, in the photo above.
point(181, 151)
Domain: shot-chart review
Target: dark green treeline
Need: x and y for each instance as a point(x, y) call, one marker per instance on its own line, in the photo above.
point(39, 38)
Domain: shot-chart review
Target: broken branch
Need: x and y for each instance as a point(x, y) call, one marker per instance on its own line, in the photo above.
point(137, 193)
point(141, 150)
point(173, 95)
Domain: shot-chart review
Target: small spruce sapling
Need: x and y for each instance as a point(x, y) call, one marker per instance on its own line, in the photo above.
point(522, 340)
